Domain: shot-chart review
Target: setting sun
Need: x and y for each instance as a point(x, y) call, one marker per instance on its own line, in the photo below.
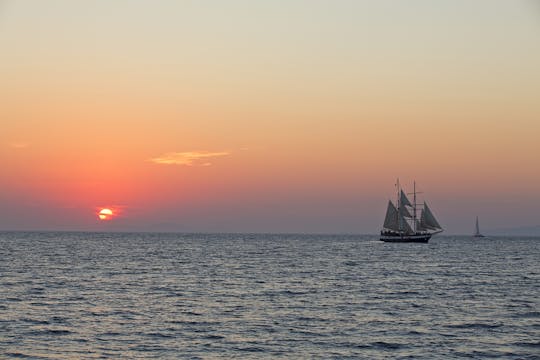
point(105, 214)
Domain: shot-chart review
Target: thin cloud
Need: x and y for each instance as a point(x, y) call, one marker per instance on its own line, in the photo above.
point(190, 158)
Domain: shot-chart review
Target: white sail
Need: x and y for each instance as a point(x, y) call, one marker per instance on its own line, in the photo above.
point(419, 226)
point(428, 220)
point(477, 233)
point(422, 223)
point(391, 220)
point(403, 200)
point(395, 221)
point(405, 227)
point(403, 211)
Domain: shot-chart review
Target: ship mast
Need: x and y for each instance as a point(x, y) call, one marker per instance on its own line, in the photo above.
point(414, 206)
point(400, 227)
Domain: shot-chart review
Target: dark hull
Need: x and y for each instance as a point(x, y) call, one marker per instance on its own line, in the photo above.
point(402, 238)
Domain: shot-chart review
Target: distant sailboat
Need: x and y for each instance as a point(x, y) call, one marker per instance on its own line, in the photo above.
point(477, 233)
point(401, 223)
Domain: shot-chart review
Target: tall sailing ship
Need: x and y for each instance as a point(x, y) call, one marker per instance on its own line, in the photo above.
point(401, 223)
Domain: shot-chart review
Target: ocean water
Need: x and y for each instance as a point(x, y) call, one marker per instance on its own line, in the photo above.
point(200, 296)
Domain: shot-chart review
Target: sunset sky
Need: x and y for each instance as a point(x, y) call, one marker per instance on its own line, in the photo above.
point(267, 116)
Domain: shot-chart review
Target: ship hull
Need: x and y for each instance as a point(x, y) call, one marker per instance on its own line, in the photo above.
point(403, 238)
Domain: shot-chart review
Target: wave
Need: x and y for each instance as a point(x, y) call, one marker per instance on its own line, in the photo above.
point(386, 345)
point(474, 326)
point(527, 344)
point(41, 332)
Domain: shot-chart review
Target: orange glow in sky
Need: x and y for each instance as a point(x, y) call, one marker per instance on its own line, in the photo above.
point(267, 116)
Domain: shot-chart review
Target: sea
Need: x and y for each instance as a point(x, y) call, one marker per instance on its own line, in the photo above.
point(84, 295)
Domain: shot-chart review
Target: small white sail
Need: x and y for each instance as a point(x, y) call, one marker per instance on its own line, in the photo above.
point(429, 219)
point(403, 200)
point(477, 232)
point(391, 221)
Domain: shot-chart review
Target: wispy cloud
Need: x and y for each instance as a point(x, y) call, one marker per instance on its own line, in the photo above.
point(190, 158)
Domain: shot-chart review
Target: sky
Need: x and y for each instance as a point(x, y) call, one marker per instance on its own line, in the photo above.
point(267, 116)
